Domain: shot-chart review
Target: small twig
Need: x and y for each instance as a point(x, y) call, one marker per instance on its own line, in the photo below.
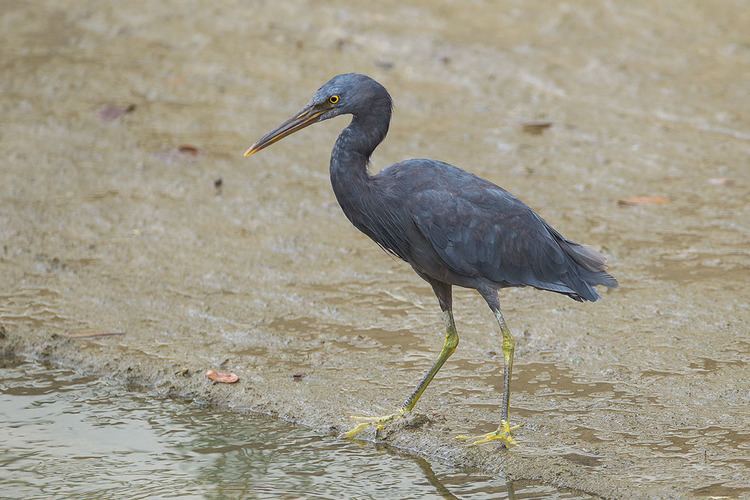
point(83, 334)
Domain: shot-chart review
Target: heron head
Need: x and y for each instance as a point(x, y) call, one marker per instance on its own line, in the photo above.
point(350, 93)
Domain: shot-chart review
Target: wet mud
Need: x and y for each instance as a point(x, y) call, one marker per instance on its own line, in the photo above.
point(126, 207)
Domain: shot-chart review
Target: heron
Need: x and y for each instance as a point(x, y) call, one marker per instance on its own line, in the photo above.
point(452, 227)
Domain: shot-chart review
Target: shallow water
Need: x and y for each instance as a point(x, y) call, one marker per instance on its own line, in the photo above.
point(65, 435)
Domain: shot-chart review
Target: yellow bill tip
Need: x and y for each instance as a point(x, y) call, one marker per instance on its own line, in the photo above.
point(250, 151)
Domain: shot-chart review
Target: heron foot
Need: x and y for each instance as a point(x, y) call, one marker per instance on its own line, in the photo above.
point(378, 422)
point(502, 434)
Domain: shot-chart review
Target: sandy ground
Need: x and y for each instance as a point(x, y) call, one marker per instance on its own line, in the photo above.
point(107, 224)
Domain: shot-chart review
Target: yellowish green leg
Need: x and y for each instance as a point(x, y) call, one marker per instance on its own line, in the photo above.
point(509, 348)
point(503, 432)
point(449, 347)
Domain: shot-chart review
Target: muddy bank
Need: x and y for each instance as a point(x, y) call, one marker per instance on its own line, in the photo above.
point(118, 122)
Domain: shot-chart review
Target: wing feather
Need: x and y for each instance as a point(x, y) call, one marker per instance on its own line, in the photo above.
point(480, 230)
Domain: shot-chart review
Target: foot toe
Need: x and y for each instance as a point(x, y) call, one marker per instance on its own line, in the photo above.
point(378, 422)
point(502, 434)
point(354, 431)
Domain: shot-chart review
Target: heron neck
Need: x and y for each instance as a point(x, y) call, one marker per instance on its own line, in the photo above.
point(351, 154)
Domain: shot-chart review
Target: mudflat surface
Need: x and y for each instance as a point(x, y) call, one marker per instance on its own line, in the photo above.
point(118, 119)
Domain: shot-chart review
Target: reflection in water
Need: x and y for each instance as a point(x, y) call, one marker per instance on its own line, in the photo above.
point(104, 443)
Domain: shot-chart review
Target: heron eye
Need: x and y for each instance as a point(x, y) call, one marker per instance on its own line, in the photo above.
point(333, 99)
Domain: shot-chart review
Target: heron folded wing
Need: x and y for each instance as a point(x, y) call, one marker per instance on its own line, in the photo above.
point(487, 233)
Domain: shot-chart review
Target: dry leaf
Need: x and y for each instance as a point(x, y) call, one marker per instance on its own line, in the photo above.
point(188, 149)
point(221, 377)
point(110, 112)
point(720, 181)
point(643, 200)
point(535, 128)
point(386, 65)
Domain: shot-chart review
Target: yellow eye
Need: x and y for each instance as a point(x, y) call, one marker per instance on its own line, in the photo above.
point(333, 99)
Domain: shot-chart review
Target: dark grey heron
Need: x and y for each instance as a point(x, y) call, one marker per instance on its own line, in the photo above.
point(452, 227)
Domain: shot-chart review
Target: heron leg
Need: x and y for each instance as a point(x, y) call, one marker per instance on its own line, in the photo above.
point(449, 347)
point(443, 292)
point(509, 348)
point(503, 432)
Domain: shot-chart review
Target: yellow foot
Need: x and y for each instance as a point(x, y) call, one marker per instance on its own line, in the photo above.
point(377, 422)
point(502, 434)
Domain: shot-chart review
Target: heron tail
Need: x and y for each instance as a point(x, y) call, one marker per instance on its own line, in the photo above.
point(591, 267)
